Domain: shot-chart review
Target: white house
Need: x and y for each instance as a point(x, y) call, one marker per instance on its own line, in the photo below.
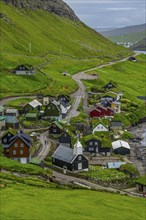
point(45, 100)
point(99, 127)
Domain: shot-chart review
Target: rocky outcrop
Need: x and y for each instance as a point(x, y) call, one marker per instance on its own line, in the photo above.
point(54, 6)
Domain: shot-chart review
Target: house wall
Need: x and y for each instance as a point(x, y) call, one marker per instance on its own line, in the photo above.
point(7, 137)
point(100, 127)
point(2, 124)
point(12, 125)
point(54, 129)
point(65, 139)
point(23, 72)
point(52, 110)
point(82, 160)
point(93, 146)
point(122, 150)
point(10, 152)
point(74, 165)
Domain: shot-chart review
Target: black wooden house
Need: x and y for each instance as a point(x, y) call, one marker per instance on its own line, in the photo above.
point(93, 145)
point(65, 139)
point(56, 128)
point(70, 159)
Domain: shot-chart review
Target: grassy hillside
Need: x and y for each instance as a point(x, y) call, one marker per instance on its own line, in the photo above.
point(19, 202)
point(37, 37)
point(141, 45)
point(126, 34)
point(128, 76)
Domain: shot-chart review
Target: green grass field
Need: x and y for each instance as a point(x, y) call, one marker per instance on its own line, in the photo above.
point(32, 203)
point(66, 46)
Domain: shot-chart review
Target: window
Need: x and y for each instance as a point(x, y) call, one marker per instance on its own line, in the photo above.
point(54, 130)
point(91, 143)
point(9, 135)
point(14, 151)
point(21, 145)
point(5, 140)
point(96, 143)
point(65, 135)
point(21, 151)
point(79, 157)
point(15, 145)
point(91, 149)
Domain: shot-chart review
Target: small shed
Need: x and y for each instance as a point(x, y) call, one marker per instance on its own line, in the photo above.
point(31, 116)
point(114, 165)
point(116, 125)
point(12, 112)
point(121, 147)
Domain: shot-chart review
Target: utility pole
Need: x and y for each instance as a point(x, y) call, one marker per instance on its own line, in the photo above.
point(30, 48)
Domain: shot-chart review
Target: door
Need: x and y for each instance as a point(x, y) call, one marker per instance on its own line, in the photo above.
point(79, 166)
point(23, 160)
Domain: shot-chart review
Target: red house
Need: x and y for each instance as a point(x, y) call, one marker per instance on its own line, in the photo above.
point(101, 111)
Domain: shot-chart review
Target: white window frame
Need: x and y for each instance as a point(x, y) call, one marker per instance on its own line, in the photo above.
point(15, 145)
point(14, 152)
point(22, 145)
point(91, 143)
point(21, 152)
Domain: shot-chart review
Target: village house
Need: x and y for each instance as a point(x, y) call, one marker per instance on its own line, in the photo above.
point(24, 70)
point(56, 128)
point(53, 111)
point(101, 111)
point(33, 106)
point(2, 122)
point(99, 128)
point(92, 145)
point(2, 110)
point(32, 116)
point(12, 122)
point(110, 85)
point(107, 98)
point(46, 100)
point(70, 159)
point(65, 139)
point(116, 106)
point(12, 112)
point(63, 99)
point(7, 136)
point(116, 125)
point(18, 148)
point(121, 147)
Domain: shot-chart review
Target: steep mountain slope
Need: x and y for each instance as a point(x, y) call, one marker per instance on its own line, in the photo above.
point(128, 35)
point(141, 45)
point(45, 39)
point(125, 30)
point(56, 6)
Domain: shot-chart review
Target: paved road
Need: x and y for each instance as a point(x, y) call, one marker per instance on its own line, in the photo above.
point(80, 94)
point(45, 146)
point(6, 100)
